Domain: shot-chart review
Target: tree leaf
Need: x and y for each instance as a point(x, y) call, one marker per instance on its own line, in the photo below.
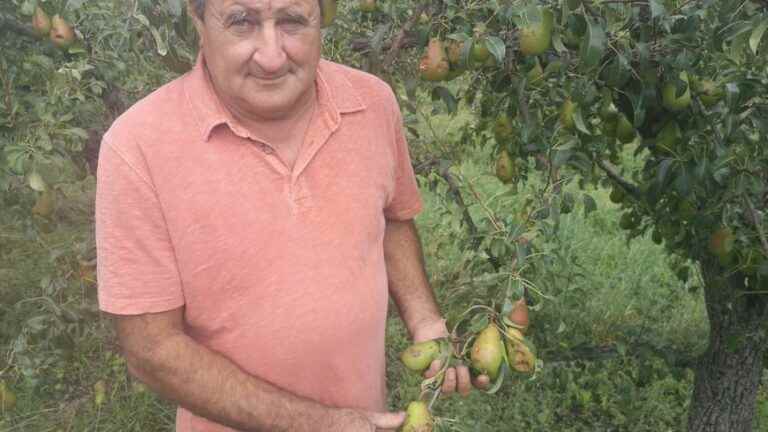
point(440, 92)
point(175, 7)
point(36, 182)
point(593, 45)
point(757, 35)
point(496, 46)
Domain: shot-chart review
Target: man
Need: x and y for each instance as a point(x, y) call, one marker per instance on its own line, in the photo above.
point(253, 218)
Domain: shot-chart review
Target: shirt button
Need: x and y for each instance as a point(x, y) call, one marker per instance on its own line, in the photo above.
point(266, 149)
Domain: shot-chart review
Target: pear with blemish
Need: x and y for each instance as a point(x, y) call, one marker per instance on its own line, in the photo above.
point(434, 64)
point(419, 356)
point(62, 34)
point(487, 352)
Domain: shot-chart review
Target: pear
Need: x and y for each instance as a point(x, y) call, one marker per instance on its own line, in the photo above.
point(486, 354)
point(502, 128)
point(566, 114)
point(7, 398)
point(520, 352)
point(669, 137)
point(434, 63)
point(419, 356)
point(535, 75)
point(624, 130)
point(536, 38)
point(45, 204)
point(518, 316)
point(329, 11)
point(721, 243)
point(367, 6)
point(418, 418)
point(453, 48)
point(41, 23)
point(669, 95)
point(506, 169)
point(709, 92)
point(62, 35)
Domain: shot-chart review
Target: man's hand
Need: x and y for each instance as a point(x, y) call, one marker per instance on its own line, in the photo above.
point(348, 420)
point(457, 378)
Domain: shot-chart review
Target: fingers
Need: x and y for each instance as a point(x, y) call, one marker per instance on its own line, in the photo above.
point(482, 382)
point(449, 382)
point(463, 380)
point(434, 368)
point(386, 420)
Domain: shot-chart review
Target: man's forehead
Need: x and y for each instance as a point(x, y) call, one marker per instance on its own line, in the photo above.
point(263, 5)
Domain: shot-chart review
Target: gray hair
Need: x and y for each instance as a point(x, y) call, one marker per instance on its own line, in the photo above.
point(198, 7)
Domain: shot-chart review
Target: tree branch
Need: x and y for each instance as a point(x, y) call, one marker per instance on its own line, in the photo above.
point(611, 172)
point(397, 44)
point(758, 226)
point(442, 169)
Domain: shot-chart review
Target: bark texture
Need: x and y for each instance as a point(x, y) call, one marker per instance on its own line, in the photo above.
point(728, 373)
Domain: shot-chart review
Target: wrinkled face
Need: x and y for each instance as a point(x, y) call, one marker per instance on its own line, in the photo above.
point(262, 54)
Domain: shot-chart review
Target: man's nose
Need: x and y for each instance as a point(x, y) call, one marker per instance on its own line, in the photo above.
point(270, 56)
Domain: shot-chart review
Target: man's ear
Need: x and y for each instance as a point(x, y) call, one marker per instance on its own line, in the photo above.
point(198, 23)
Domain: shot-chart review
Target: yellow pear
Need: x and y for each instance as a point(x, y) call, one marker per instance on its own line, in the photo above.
point(419, 356)
point(41, 23)
point(329, 11)
point(486, 353)
point(418, 418)
point(566, 114)
point(62, 34)
point(434, 63)
point(45, 204)
point(506, 169)
point(669, 95)
point(536, 38)
point(7, 398)
point(367, 5)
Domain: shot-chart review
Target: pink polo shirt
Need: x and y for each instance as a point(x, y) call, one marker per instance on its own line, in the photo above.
point(282, 271)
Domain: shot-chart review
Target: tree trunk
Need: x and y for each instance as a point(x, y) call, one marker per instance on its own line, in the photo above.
point(728, 373)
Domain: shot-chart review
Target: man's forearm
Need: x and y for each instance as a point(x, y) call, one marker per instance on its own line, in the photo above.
point(408, 284)
point(211, 386)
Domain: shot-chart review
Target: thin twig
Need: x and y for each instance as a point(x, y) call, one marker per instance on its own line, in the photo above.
point(615, 176)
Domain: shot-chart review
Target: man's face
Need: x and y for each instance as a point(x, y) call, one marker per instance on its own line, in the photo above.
point(262, 54)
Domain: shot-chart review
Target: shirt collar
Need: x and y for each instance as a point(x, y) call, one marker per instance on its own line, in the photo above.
point(336, 96)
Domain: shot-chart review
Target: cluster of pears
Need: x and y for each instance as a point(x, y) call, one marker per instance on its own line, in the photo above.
point(58, 30)
point(492, 343)
point(496, 344)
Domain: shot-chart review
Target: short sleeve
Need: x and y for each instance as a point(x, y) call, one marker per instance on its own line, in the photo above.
point(137, 270)
point(405, 202)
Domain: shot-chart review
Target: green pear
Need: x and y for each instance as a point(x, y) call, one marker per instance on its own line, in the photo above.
point(487, 354)
point(624, 130)
point(419, 356)
point(566, 114)
point(506, 168)
point(669, 95)
point(7, 398)
point(41, 23)
point(62, 34)
point(418, 418)
point(536, 38)
point(329, 11)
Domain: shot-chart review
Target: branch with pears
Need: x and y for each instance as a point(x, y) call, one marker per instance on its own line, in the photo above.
point(493, 343)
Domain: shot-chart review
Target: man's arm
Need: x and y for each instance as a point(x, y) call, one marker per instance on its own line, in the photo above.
point(408, 284)
point(161, 355)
